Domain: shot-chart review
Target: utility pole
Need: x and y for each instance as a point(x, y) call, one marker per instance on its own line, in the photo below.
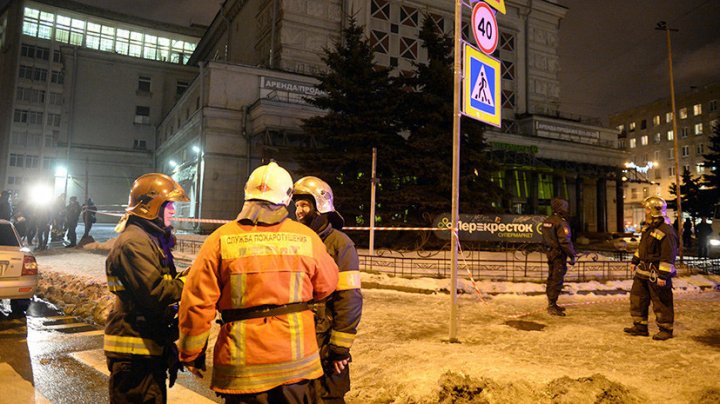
point(663, 26)
point(455, 174)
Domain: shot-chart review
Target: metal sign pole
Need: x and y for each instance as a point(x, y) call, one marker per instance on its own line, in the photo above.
point(457, 76)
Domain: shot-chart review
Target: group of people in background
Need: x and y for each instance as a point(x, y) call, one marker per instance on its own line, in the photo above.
point(38, 223)
point(702, 231)
point(287, 291)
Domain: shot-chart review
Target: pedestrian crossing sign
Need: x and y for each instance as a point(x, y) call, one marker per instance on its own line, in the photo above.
point(481, 87)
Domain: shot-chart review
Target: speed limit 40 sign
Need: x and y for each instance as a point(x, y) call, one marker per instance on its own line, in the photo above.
point(485, 28)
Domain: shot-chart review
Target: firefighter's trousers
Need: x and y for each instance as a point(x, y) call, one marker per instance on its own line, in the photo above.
point(645, 291)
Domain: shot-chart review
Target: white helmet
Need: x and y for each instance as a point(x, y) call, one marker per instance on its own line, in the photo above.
point(270, 183)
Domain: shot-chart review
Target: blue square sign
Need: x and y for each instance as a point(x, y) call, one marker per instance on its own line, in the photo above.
point(481, 87)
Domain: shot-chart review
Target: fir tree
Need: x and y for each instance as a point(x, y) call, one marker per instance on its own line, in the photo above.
point(692, 197)
point(360, 98)
point(428, 116)
point(711, 180)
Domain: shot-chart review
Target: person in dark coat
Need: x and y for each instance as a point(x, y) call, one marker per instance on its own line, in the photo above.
point(141, 273)
point(702, 234)
point(5, 206)
point(20, 217)
point(72, 215)
point(654, 266)
point(687, 233)
point(557, 239)
point(42, 225)
point(58, 219)
point(88, 215)
point(336, 322)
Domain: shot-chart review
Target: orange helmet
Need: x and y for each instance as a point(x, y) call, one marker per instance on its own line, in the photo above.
point(150, 191)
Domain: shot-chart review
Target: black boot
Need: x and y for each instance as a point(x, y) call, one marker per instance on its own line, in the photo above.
point(555, 310)
point(638, 330)
point(663, 334)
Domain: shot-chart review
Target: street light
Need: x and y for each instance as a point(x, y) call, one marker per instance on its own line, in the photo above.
point(663, 26)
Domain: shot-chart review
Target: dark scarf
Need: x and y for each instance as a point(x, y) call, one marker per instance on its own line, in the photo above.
point(162, 235)
point(318, 222)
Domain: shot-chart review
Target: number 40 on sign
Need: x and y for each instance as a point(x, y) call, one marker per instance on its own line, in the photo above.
point(485, 28)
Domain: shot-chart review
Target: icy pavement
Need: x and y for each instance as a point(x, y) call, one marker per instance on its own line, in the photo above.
point(509, 350)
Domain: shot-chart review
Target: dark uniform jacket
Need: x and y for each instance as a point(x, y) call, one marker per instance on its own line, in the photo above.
point(657, 250)
point(338, 326)
point(143, 278)
point(557, 238)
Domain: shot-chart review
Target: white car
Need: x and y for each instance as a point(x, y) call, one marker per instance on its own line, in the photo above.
point(18, 269)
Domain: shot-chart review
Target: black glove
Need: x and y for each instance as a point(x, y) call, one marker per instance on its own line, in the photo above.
point(173, 363)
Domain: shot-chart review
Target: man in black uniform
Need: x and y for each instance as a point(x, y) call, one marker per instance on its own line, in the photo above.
point(557, 240)
point(654, 265)
point(336, 323)
point(140, 272)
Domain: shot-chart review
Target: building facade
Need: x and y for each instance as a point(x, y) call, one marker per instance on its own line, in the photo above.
point(257, 63)
point(646, 132)
point(86, 90)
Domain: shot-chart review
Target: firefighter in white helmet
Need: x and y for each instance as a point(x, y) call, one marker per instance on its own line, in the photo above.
point(337, 319)
point(260, 271)
point(654, 265)
point(140, 327)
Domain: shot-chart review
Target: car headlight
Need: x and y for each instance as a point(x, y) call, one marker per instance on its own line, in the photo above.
point(714, 242)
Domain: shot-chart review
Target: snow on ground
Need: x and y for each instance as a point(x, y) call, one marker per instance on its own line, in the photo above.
point(509, 349)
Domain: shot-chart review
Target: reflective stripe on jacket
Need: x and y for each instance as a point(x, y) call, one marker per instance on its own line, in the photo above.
point(343, 309)
point(659, 246)
point(137, 324)
point(243, 266)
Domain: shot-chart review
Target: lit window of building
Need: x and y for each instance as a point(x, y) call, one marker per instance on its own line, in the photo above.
point(697, 109)
point(698, 128)
point(683, 113)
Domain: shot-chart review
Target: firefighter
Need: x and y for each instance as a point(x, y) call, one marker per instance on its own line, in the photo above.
point(140, 330)
point(337, 318)
point(654, 266)
point(557, 240)
point(260, 271)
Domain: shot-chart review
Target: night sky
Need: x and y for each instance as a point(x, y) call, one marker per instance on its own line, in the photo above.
point(611, 57)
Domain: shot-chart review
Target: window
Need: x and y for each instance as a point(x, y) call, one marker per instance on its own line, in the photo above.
point(57, 77)
point(712, 106)
point(17, 160)
point(139, 144)
point(19, 139)
point(671, 154)
point(683, 113)
point(48, 163)
point(668, 117)
point(34, 52)
point(657, 138)
point(180, 87)
point(685, 151)
point(656, 120)
point(32, 161)
point(633, 143)
point(698, 128)
point(620, 128)
point(40, 74)
point(144, 84)
point(700, 149)
point(408, 48)
point(28, 117)
point(380, 41)
point(699, 168)
point(644, 140)
point(670, 135)
point(507, 70)
point(56, 99)
point(643, 124)
point(142, 115)
point(409, 16)
point(621, 143)
point(53, 119)
point(507, 41)
point(634, 193)
point(684, 132)
point(671, 171)
point(380, 9)
point(632, 126)
point(656, 153)
point(508, 99)
point(697, 109)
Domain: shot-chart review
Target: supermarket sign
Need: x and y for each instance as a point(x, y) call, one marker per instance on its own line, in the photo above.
point(493, 228)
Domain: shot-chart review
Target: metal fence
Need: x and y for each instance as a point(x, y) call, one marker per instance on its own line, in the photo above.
point(518, 266)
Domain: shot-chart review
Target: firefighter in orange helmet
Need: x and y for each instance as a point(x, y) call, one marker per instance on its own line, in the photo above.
point(139, 332)
point(260, 271)
point(337, 318)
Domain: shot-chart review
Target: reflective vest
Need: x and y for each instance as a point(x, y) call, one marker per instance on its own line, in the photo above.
point(244, 266)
